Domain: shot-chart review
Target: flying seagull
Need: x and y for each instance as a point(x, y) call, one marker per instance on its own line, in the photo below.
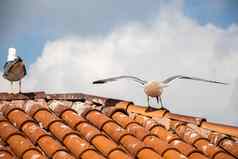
point(153, 88)
point(14, 68)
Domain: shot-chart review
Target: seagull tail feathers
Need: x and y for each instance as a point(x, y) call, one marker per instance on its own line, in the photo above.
point(4, 75)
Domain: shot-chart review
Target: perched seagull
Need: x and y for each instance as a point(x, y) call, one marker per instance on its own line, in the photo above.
point(154, 88)
point(14, 68)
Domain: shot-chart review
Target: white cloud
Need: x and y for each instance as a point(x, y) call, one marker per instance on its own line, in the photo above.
point(172, 44)
point(4, 84)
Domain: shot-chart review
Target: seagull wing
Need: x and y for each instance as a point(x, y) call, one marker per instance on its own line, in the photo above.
point(119, 77)
point(25, 72)
point(170, 79)
point(19, 59)
point(9, 65)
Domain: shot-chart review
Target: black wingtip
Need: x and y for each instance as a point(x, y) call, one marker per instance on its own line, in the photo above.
point(19, 59)
point(222, 83)
point(98, 82)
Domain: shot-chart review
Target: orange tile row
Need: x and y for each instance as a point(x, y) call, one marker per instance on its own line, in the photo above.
point(224, 129)
point(104, 144)
point(5, 151)
point(192, 137)
point(111, 133)
point(169, 137)
point(120, 135)
point(189, 136)
point(229, 144)
point(169, 147)
point(51, 147)
point(70, 138)
point(19, 144)
point(140, 132)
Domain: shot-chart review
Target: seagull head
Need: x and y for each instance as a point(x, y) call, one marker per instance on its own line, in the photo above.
point(11, 54)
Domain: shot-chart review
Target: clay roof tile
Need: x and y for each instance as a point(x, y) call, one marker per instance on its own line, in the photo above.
point(85, 126)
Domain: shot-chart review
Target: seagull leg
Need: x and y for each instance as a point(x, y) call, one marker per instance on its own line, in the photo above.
point(148, 104)
point(149, 108)
point(161, 102)
point(157, 99)
point(11, 87)
point(162, 106)
point(148, 101)
point(20, 86)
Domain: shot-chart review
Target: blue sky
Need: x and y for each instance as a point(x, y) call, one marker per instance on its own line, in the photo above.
point(28, 25)
point(67, 44)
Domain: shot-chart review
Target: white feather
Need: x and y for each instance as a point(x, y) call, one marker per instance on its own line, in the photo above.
point(11, 54)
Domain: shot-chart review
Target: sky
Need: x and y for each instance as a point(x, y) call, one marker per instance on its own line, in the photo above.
point(68, 44)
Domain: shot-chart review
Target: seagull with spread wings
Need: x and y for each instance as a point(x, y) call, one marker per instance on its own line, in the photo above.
point(14, 68)
point(153, 88)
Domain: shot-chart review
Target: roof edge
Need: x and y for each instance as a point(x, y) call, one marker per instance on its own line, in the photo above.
point(21, 96)
point(98, 100)
point(230, 130)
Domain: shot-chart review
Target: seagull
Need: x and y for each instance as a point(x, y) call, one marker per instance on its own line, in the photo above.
point(14, 68)
point(154, 88)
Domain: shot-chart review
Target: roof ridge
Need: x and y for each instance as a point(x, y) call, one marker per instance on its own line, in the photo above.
point(98, 100)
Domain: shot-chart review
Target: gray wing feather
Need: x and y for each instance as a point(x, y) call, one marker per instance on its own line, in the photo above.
point(168, 80)
point(8, 66)
point(120, 77)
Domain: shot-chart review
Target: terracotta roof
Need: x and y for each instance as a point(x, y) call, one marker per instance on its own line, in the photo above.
point(68, 126)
